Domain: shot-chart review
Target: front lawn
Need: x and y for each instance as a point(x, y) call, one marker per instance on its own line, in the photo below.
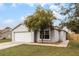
point(32, 50)
point(5, 40)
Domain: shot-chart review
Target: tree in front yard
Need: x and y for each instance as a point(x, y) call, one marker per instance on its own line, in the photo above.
point(41, 19)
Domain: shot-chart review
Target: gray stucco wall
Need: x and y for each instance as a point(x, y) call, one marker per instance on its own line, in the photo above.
point(62, 35)
point(54, 36)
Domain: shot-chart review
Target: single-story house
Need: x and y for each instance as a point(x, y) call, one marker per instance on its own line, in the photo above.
point(6, 33)
point(22, 34)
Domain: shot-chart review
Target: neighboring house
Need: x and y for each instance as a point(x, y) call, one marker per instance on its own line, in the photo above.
point(22, 34)
point(6, 33)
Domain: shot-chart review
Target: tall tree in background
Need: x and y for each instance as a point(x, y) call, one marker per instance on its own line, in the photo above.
point(41, 19)
point(73, 18)
point(67, 11)
point(74, 24)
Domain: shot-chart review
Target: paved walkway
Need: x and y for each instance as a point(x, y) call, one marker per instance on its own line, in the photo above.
point(63, 44)
point(8, 45)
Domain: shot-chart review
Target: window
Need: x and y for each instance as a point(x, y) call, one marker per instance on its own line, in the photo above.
point(44, 34)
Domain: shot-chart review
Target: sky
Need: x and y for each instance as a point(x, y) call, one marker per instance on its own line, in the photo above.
point(12, 14)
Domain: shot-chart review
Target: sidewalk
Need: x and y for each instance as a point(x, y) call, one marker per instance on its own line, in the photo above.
point(8, 45)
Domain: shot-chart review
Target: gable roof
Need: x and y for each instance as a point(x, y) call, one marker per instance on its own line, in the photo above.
point(55, 27)
point(17, 26)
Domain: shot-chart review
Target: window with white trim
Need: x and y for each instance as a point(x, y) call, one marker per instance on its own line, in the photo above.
point(44, 34)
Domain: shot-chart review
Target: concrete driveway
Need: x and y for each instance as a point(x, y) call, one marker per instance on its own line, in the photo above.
point(8, 45)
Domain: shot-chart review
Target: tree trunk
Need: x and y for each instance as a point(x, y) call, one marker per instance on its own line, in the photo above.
point(42, 33)
point(35, 36)
point(42, 38)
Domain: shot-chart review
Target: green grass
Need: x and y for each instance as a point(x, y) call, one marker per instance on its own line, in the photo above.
point(5, 40)
point(32, 50)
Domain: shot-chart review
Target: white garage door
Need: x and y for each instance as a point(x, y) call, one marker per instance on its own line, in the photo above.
point(23, 37)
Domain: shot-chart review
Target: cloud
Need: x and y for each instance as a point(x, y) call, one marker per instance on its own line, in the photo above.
point(8, 21)
point(14, 5)
point(56, 23)
point(1, 4)
point(42, 4)
point(30, 4)
point(57, 15)
point(36, 4)
point(2, 7)
point(22, 18)
point(54, 7)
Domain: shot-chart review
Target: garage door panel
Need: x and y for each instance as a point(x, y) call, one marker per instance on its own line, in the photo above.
point(23, 37)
